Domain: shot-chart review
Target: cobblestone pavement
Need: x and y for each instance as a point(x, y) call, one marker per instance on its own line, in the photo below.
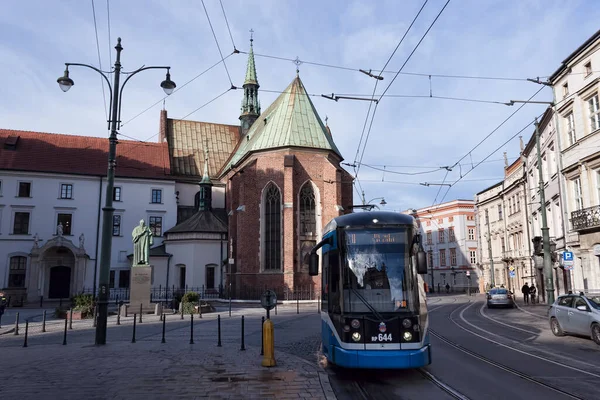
point(176, 369)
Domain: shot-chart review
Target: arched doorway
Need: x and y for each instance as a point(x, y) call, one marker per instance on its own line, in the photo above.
point(60, 282)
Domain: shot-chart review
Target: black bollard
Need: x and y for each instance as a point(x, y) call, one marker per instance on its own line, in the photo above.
point(60, 303)
point(17, 324)
point(181, 310)
point(297, 304)
point(275, 308)
point(219, 330)
point(26, 330)
point(319, 305)
point(199, 310)
point(119, 317)
point(230, 305)
point(44, 322)
point(140, 313)
point(243, 347)
point(65, 334)
point(191, 328)
point(71, 318)
point(262, 337)
point(164, 321)
point(95, 316)
point(41, 301)
point(133, 335)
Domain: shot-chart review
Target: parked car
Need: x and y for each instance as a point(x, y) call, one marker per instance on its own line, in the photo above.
point(500, 297)
point(576, 314)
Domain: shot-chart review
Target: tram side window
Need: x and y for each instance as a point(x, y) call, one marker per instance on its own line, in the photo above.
point(334, 283)
point(325, 282)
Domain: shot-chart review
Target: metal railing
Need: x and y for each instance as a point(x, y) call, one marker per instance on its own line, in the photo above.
point(586, 218)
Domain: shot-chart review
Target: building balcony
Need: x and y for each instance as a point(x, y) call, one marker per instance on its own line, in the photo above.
point(586, 218)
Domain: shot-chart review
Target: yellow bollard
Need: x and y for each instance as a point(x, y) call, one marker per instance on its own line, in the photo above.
point(269, 344)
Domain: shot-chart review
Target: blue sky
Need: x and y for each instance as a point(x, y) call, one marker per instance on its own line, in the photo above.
point(494, 38)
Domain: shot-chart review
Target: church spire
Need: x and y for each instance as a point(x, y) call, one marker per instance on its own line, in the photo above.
point(205, 203)
point(250, 104)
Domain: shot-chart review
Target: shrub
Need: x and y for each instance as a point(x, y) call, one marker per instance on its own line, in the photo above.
point(190, 297)
point(84, 303)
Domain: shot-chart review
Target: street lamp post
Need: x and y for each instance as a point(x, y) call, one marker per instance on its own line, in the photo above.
point(65, 83)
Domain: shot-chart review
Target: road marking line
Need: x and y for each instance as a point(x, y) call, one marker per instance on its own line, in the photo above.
point(528, 312)
point(512, 348)
point(502, 323)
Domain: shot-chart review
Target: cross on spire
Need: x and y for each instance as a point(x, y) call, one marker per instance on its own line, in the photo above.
point(251, 38)
point(297, 62)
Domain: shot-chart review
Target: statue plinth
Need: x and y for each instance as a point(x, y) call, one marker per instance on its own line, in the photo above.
point(139, 290)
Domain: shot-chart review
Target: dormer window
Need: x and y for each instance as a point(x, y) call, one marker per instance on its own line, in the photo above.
point(566, 89)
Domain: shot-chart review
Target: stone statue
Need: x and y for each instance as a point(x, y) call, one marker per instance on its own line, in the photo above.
point(81, 241)
point(142, 240)
point(59, 229)
point(36, 241)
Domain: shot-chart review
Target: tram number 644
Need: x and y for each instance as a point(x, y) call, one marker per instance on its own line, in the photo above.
point(382, 337)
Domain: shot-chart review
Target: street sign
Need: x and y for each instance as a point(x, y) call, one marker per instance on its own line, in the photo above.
point(268, 300)
point(511, 268)
point(567, 255)
point(512, 274)
point(568, 266)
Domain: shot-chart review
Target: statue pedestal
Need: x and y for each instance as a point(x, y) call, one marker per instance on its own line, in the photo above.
point(139, 291)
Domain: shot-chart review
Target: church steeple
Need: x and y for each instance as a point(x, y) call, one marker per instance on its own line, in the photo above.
point(205, 203)
point(250, 104)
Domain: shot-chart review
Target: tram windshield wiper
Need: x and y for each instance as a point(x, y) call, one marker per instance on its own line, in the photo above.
point(366, 303)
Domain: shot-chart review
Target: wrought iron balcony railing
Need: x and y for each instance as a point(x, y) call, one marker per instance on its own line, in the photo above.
point(586, 218)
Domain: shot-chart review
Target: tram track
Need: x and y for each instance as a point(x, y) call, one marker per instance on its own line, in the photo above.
point(499, 365)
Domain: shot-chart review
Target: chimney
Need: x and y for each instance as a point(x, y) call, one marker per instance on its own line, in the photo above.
point(162, 129)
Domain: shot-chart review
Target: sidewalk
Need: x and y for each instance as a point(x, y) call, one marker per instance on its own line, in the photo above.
point(151, 370)
point(538, 309)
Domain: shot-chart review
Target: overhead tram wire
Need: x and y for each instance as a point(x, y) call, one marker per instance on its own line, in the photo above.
point(228, 29)
point(357, 169)
point(487, 137)
point(217, 42)
point(99, 60)
point(176, 90)
point(400, 70)
point(178, 119)
point(489, 155)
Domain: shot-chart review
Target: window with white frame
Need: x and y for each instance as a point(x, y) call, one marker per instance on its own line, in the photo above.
point(66, 221)
point(473, 256)
point(155, 225)
point(24, 189)
point(570, 123)
point(453, 257)
point(17, 272)
point(117, 193)
point(441, 236)
point(471, 233)
point(442, 258)
point(156, 196)
point(566, 89)
point(451, 237)
point(588, 68)
point(429, 238)
point(577, 194)
point(66, 191)
point(499, 211)
point(116, 225)
point(552, 161)
point(594, 111)
point(21, 223)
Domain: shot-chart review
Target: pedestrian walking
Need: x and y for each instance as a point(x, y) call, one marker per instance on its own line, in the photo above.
point(532, 294)
point(447, 288)
point(525, 291)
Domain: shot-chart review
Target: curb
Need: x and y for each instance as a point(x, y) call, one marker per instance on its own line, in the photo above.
point(323, 376)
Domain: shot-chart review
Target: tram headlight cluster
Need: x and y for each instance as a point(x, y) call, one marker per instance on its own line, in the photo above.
point(407, 336)
point(406, 323)
point(356, 336)
point(346, 328)
point(355, 323)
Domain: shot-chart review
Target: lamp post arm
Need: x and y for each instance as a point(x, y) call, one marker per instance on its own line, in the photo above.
point(110, 90)
point(123, 86)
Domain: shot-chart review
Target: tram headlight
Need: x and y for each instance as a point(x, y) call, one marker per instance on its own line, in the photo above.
point(346, 328)
point(406, 323)
point(356, 336)
point(416, 328)
point(407, 336)
point(355, 323)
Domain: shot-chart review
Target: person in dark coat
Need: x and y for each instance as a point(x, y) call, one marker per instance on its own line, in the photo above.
point(525, 291)
point(532, 293)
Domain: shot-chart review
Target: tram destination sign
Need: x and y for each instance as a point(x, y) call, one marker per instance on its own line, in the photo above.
point(373, 237)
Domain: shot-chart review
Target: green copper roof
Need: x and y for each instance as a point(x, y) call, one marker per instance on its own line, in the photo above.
point(251, 68)
point(291, 121)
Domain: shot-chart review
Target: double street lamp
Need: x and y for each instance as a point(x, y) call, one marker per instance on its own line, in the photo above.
point(114, 120)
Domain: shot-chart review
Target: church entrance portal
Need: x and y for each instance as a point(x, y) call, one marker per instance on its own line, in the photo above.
point(60, 282)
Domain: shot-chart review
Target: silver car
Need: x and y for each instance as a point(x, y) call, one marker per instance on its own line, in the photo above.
point(500, 297)
point(576, 314)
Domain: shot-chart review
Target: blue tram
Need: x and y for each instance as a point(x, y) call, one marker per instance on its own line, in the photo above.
point(374, 310)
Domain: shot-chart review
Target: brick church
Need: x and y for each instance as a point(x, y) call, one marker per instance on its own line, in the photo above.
point(270, 184)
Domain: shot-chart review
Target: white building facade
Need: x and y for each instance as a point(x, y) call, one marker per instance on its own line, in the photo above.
point(450, 240)
point(576, 91)
point(47, 180)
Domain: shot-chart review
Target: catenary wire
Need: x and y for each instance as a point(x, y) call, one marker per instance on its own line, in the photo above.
point(99, 60)
point(176, 90)
point(217, 42)
point(109, 39)
point(227, 23)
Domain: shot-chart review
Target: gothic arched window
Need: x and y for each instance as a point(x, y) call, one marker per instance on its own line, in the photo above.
point(272, 228)
point(308, 222)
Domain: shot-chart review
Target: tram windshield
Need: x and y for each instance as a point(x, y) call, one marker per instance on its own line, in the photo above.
point(377, 275)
